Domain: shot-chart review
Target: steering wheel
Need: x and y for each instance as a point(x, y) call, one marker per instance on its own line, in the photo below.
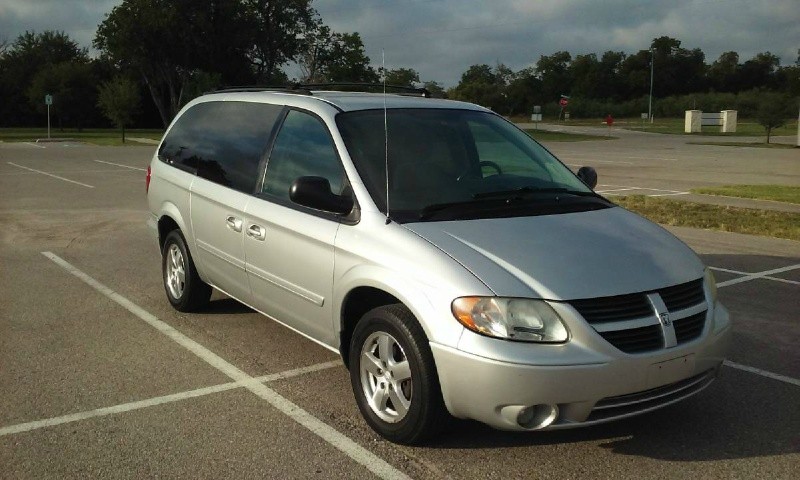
point(489, 163)
point(484, 163)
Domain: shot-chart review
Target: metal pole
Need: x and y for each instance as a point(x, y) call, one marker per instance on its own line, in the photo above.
point(48, 121)
point(798, 128)
point(650, 105)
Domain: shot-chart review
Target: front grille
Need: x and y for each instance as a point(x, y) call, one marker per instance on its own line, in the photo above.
point(610, 408)
point(636, 340)
point(636, 305)
point(689, 328)
point(612, 309)
point(683, 296)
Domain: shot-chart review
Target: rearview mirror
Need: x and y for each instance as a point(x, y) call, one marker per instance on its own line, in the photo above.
point(315, 192)
point(588, 175)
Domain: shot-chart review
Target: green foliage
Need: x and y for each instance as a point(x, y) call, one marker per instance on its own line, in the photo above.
point(435, 88)
point(71, 84)
point(171, 44)
point(22, 74)
point(405, 77)
point(773, 112)
point(768, 223)
point(119, 100)
point(346, 60)
point(778, 193)
point(484, 85)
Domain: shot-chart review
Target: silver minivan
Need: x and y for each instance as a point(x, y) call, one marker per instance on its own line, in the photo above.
point(455, 264)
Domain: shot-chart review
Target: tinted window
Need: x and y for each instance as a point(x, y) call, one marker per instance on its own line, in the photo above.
point(303, 148)
point(222, 141)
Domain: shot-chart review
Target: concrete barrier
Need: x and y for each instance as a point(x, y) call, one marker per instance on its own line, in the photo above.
point(696, 120)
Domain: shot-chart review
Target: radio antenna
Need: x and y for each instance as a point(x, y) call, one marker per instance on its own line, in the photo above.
point(385, 135)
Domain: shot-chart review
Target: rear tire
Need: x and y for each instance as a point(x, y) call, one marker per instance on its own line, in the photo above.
point(394, 377)
point(185, 290)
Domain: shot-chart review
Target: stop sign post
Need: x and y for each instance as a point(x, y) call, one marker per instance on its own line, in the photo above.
point(563, 102)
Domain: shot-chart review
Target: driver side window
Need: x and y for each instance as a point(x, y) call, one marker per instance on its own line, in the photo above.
point(495, 149)
point(303, 148)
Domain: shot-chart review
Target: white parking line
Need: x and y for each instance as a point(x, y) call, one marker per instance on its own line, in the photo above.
point(35, 145)
point(736, 272)
point(51, 175)
point(668, 194)
point(151, 402)
point(372, 462)
point(755, 276)
point(615, 190)
point(121, 165)
point(763, 373)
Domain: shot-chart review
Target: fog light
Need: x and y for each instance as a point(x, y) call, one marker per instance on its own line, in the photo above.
point(537, 416)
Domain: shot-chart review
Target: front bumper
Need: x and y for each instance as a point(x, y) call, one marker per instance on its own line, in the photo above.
point(579, 393)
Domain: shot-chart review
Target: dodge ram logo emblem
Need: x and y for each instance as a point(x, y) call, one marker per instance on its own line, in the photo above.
point(664, 317)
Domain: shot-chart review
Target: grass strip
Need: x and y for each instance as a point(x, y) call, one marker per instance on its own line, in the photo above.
point(549, 136)
point(778, 193)
point(747, 127)
point(768, 223)
point(744, 144)
point(97, 136)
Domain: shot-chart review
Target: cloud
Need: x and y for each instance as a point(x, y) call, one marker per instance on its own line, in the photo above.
point(442, 38)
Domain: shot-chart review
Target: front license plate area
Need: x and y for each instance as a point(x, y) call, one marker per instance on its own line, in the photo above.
point(670, 371)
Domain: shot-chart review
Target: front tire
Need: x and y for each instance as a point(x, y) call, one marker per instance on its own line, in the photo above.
point(185, 290)
point(394, 377)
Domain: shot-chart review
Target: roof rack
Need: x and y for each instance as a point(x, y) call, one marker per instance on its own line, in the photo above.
point(306, 88)
point(293, 88)
point(401, 89)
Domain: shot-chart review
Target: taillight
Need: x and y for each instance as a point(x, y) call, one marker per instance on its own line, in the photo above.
point(147, 180)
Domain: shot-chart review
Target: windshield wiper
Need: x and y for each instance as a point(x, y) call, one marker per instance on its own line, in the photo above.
point(515, 193)
point(431, 210)
point(496, 199)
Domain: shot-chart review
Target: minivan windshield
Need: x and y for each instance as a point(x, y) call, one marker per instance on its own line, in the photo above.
point(448, 164)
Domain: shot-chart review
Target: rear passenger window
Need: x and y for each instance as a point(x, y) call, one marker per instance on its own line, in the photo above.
point(303, 148)
point(222, 141)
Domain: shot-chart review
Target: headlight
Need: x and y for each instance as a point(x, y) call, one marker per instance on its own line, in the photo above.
point(711, 283)
point(518, 319)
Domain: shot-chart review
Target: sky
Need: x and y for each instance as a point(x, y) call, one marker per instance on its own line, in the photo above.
point(440, 39)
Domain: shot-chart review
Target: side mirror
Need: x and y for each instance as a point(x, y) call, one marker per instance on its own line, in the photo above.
point(315, 192)
point(588, 175)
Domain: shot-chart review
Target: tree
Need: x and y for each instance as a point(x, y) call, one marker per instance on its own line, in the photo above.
point(722, 74)
point(22, 62)
point(482, 85)
point(120, 101)
point(435, 88)
point(153, 39)
point(279, 31)
point(72, 86)
point(553, 71)
point(405, 77)
point(759, 71)
point(773, 112)
point(172, 44)
point(345, 60)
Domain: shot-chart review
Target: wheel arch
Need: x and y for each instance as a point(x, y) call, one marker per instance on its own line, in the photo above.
point(170, 218)
point(368, 287)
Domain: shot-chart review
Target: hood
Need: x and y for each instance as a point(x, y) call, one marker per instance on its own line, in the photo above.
point(567, 256)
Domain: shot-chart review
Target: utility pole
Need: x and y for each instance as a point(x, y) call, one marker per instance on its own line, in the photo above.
point(650, 103)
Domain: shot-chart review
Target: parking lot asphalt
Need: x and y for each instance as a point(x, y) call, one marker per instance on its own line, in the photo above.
point(100, 377)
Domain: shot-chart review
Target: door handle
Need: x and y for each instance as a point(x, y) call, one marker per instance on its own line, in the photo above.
point(257, 231)
point(234, 223)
